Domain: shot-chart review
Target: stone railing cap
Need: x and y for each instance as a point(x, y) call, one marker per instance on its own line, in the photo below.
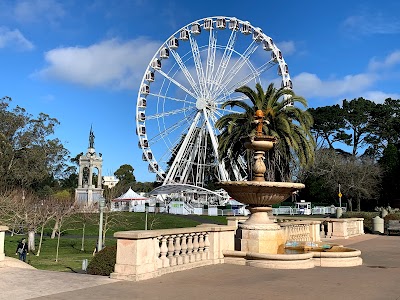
point(321, 219)
point(144, 234)
point(288, 223)
point(3, 228)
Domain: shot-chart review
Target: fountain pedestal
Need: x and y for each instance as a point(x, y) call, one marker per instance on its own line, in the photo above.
point(259, 234)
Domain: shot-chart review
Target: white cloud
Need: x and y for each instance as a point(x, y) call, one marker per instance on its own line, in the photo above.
point(14, 38)
point(391, 60)
point(350, 86)
point(287, 47)
point(29, 11)
point(109, 63)
point(378, 96)
point(309, 85)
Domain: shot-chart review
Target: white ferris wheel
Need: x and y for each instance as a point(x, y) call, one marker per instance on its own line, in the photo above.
point(193, 72)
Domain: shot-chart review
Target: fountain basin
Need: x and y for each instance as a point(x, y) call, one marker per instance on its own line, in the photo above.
point(260, 193)
point(337, 256)
point(261, 143)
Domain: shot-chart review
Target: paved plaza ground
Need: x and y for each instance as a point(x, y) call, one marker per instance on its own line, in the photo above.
point(378, 278)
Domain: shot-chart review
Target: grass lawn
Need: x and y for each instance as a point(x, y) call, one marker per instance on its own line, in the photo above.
point(121, 221)
point(70, 254)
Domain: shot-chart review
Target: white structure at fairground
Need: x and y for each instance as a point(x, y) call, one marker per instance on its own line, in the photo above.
point(110, 181)
point(130, 201)
point(89, 189)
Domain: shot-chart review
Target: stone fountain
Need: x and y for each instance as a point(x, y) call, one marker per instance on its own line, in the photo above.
point(260, 233)
point(260, 241)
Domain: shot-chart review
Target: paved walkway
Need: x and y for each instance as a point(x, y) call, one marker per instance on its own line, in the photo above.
point(378, 278)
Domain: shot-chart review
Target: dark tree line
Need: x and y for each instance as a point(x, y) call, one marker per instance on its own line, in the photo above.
point(30, 157)
point(364, 142)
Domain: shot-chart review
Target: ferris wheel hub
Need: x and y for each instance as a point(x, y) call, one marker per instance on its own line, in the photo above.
point(201, 103)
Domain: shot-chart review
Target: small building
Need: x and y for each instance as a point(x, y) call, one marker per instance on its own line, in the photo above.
point(128, 201)
point(303, 207)
point(110, 181)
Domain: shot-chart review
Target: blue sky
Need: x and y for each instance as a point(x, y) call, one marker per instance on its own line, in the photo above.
point(82, 61)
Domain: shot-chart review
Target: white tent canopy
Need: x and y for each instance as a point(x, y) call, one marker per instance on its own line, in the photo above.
point(130, 195)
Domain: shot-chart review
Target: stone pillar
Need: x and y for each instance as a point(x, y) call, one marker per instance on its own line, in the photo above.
point(315, 232)
point(3, 230)
point(220, 241)
point(136, 260)
point(361, 226)
point(340, 229)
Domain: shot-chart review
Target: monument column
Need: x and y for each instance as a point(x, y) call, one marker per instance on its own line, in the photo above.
point(80, 178)
point(90, 183)
point(99, 178)
point(90, 194)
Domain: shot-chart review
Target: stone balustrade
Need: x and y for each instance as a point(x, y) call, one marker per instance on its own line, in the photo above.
point(343, 228)
point(294, 230)
point(152, 253)
point(302, 231)
point(3, 230)
point(334, 228)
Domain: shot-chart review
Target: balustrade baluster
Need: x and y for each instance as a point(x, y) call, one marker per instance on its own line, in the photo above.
point(322, 231)
point(171, 250)
point(164, 251)
point(178, 249)
point(201, 245)
point(196, 246)
point(190, 248)
point(206, 246)
point(185, 257)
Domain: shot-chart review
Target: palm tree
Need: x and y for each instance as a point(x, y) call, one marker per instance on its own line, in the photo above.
point(288, 123)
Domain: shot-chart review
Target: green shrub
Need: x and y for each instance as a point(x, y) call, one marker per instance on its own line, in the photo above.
point(103, 262)
point(395, 216)
point(368, 216)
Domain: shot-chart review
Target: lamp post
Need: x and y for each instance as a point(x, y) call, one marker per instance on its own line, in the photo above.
point(102, 203)
point(146, 209)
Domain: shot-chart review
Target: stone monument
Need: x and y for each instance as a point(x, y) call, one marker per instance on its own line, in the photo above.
point(89, 191)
